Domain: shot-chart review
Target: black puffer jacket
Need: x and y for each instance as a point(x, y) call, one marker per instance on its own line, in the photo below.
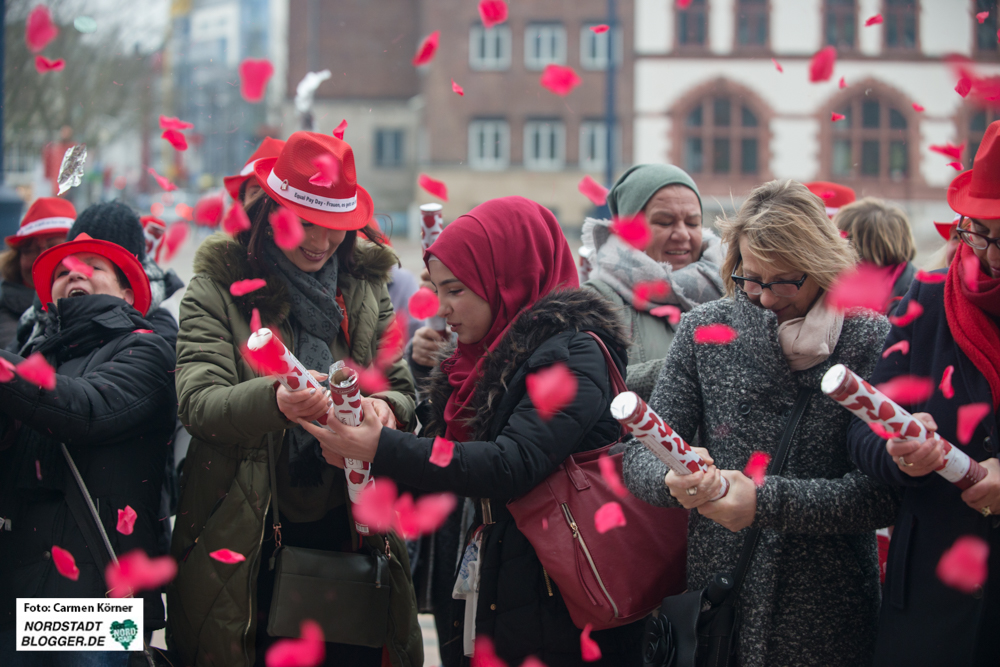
point(514, 450)
point(114, 407)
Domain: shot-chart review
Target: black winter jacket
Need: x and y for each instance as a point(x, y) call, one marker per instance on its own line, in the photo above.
point(114, 407)
point(922, 621)
point(14, 300)
point(514, 450)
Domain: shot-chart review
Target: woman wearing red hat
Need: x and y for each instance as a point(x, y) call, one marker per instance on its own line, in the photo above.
point(244, 185)
point(327, 300)
point(44, 225)
point(956, 343)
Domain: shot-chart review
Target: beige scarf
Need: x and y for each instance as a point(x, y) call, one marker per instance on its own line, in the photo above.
point(810, 340)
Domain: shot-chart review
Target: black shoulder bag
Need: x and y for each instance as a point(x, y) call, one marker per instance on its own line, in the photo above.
point(346, 593)
point(698, 628)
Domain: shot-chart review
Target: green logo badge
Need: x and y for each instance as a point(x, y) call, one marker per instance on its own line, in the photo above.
point(124, 633)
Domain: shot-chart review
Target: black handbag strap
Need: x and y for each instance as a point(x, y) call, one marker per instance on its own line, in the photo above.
point(777, 463)
point(617, 381)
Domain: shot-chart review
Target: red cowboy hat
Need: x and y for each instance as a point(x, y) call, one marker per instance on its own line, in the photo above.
point(834, 195)
point(47, 216)
point(944, 228)
point(46, 264)
point(976, 192)
point(268, 148)
point(344, 205)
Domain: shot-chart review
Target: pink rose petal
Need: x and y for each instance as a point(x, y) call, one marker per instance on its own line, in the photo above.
point(392, 341)
point(433, 187)
point(715, 334)
point(424, 516)
point(43, 65)
point(917, 107)
point(946, 389)
point(883, 432)
point(874, 20)
point(173, 239)
point(255, 324)
point(963, 86)
point(589, 650)
point(964, 565)
point(672, 313)
point(6, 370)
point(969, 417)
point(423, 304)
point(340, 129)
point(634, 231)
point(227, 556)
point(327, 171)
point(647, 291)
point(834, 116)
point(559, 79)
point(757, 467)
point(39, 29)
point(457, 89)
point(930, 278)
point(184, 211)
point(609, 471)
point(483, 654)
point(375, 505)
point(903, 347)
point(957, 166)
point(913, 311)
point(208, 210)
point(241, 287)
point(842, 84)
point(171, 123)
point(442, 452)
point(982, 16)
point(598, 29)
point(162, 182)
point(862, 287)
point(821, 65)
point(949, 149)
point(136, 572)
point(427, 49)
point(73, 263)
point(36, 370)
point(126, 520)
point(777, 65)
point(288, 232)
point(254, 75)
point(592, 190)
point(176, 139)
point(608, 516)
point(551, 389)
point(907, 389)
point(235, 220)
point(65, 563)
point(492, 12)
point(307, 651)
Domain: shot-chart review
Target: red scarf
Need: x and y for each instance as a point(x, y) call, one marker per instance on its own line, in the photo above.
point(971, 316)
point(510, 252)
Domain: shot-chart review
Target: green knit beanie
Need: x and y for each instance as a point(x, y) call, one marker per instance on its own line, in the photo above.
point(633, 190)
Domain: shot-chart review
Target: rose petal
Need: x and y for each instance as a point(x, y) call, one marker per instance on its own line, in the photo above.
point(981, 17)
point(340, 129)
point(268, 359)
point(288, 232)
point(492, 12)
point(235, 220)
point(307, 651)
point(649, 290)
point(483, 654)
point(38, 470)
point(634, 231)
point(39, 29)
point(73, 263)
point(126, 520)
point(208, 210)
point(392, 342)
point(176, 139)
point(442, 452)
point(255, 324)
point(375, 505)
point(592, 190)
point(949, 149)
point(423, 304)
point(433, 187)
point(327, 171)
point(36, 370)
point(907, 389)
point(757, 467)
point(970, 270)
point(427, 49)
point(883, 432)
point(963, 86)
point(946, 389)
point(864, 286)
point(254, 75)
point(65, 563)
point(457, 89)
point(559, 79)
point(598, 29)
point(964, 565)
point(834, 116)
point(241, 287)
point(842, 84)
point(683, 4)
point(611, 475)
point(172, 123)
point(608, 516)
point(173, 239)
point(43, 65)
point(917, 107)
point(969, 417)
point(156, 208)
point(777, 65)
point(672, 313)
point(715, 334)
point(136, 572)
point(414, 519)
point(821, 65)
point(930, 278)
point(903, 347)
point(874, 20)
point(184, 211)
point(589, 650)
point(913, 311)
point(162, 182)
point(227, 556)
point(957, 166)
point(6, 370)
point(551, 389)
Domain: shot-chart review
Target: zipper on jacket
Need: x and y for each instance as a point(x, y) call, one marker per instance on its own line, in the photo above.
point(250, 582)
point(548, 583)
point(586, 552)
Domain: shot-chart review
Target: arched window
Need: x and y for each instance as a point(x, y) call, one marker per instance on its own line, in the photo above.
point(975, 122)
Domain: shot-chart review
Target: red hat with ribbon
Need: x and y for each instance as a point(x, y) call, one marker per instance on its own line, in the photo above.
point(47, 216)
point(944, 228)
point(44, 268)
point(834, 195)
point(976, 193)
point(343, 205)
point(153, 230)
point(268, 148)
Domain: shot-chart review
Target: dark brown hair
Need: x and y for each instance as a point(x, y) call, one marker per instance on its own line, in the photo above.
point(259, 207)
point(10, 266)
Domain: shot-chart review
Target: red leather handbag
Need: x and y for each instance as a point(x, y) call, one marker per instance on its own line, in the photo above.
point(611, 579)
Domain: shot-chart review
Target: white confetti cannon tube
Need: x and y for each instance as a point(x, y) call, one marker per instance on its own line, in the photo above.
point(347, 408)
point(430, 228)
point(663, 441)
point(873, 407)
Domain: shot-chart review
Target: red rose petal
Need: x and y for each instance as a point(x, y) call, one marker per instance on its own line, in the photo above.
point(551, 389)
point(227, 556)
point(327, 171)
point(907, 389)
point(946, 389)
point(592, 190)
point(156, 208)
point(176, 139)
point(609, 471)
point(969, 270)
point(649, 290)
point(375, 505)
point(72, 263)
point(65, 563)
point(883, 432)
point(969, 417)
point(427, 49)
point(162, 182)
point(43, 65)
point(964, 565)
point(864, 286)
point(913, 311)
point(424, 516)
point(235, 220)
point(949, 150)
point(288, 232)
point(777, 65)
point(392, 341)
point(208, 210)
point(184, 211)
point(173, 239)
point(930, 278)
point(683, 4)
point(340, 129)
point(137, 572)
point(608, 516)
point(6, 370)
point(834, 116)
point(241, 287)
point(254, 75)
point(842, 84)
point(821, 65)
point(255, 324)
point(483, 654)
point(874, 20)
point(126, 520)
point(715, 334)
point(442, 452)
point(634, 231)
point(917, 107)
point(433, 187)
point(957, 166)
point(757, 467)
point(36, 370)
point(39, 29)
point(457, 89)
point(672, 313)
point(307, 651)
point(981, 17)
point(559, 79)
point(492, 12)
point(963, 86)
point(423, 304)
point(171, 123)
point(903, 347)
point(598, 29)
point(589, 650)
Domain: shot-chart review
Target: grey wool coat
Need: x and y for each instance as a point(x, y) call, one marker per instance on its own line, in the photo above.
point(811, 596)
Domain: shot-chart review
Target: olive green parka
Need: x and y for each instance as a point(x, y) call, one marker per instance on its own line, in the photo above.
point(231, 414)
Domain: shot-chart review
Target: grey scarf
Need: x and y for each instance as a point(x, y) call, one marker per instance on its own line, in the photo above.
point(316, 318)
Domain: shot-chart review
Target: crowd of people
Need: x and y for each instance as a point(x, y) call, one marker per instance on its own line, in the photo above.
point(130, 382)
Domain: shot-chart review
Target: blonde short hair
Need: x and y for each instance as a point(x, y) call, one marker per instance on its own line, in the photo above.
point(879, 232)
point(786, 226)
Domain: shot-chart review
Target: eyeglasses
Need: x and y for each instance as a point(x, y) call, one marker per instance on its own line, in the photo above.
point(975, 239)
point(782, 288)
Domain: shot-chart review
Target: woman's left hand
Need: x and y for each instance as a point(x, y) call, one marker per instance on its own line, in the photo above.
point(985, 492)
point(339, 441)
point(384, 413)
point(738, 508)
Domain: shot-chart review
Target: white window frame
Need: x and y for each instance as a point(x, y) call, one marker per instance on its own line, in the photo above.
point(551, 41)
point(598, 129)
point(495, 131)
point(400, 160)
point(551, 134)
point(497, 37)
point(600, 61)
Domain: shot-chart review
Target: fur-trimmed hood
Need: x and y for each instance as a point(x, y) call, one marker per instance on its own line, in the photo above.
point(225, 260)
point(554, 313)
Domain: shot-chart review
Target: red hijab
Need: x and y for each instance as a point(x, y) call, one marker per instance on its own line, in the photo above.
point(509, 252)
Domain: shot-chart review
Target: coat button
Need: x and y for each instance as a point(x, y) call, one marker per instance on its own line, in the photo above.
point(744, 408)
point(988, 445)
point(458, 624)
point(47, 555)
point(785, 413)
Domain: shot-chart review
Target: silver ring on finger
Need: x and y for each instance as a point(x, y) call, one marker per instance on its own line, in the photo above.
point(986, 511)
point(903, 462)
point(693, 491)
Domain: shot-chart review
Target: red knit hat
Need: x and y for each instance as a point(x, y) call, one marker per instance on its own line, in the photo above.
point(976, 192)
point(834, 195)
point(268, 148)
point(344, 205)
point(45, 266)
point(47, 216)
